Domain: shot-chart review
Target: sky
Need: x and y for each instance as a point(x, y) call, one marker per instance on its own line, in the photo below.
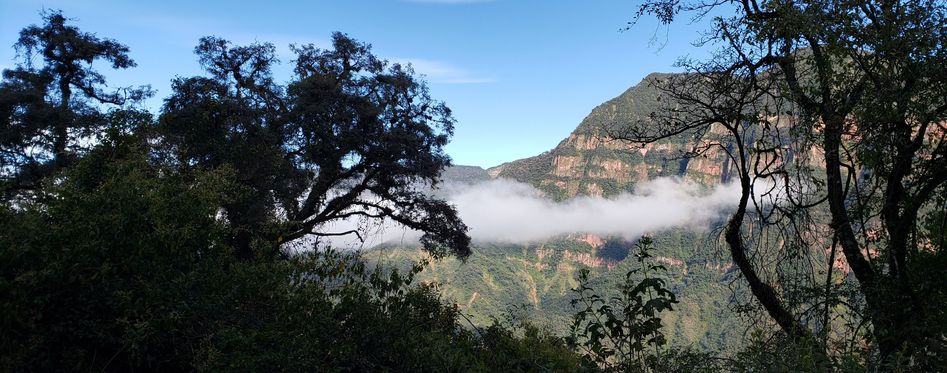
point(519, 75)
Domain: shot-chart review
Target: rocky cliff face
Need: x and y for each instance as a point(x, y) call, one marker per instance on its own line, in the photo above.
point(589, 162)
point(498, 278)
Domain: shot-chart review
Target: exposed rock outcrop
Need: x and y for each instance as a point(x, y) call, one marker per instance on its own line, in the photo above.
point(589, 162)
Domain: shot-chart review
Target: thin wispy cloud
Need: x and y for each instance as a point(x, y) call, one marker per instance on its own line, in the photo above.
point(444, 73)
point(187, 31)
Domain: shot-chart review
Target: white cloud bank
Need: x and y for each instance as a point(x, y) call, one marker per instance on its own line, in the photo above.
point(513, 212)
point(507, 211)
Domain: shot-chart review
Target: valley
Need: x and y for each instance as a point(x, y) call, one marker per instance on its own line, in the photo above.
point(534, 280)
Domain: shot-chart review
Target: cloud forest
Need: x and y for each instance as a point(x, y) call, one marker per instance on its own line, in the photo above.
point(774, 202)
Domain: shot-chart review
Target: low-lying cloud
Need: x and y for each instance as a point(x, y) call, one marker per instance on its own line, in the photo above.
point(508, 211)
point(505, 211)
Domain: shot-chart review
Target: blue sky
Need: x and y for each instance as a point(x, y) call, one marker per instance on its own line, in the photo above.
point(519, 74)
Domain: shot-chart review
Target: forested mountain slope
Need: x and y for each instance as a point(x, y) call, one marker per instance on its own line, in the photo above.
point(535, 279)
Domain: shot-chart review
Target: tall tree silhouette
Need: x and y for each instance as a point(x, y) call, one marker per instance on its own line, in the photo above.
point(351, 136)
point(50, 110)
point(859, 87)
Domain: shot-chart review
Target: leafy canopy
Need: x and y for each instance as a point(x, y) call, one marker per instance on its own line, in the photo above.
point(52, 111)
point(350, 137)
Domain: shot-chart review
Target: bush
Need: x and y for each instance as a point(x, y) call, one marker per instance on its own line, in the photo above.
point(123, 265)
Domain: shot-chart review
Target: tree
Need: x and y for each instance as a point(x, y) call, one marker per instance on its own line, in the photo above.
point(116, 269)
point(123, 262)
point(351, 136)
point(128, 269)
point(856, 88)
point(49, 112)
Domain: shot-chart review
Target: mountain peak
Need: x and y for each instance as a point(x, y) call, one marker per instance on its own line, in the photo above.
point(588, 162)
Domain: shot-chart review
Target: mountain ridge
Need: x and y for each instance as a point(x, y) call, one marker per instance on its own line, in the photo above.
point(589, 162)
point(536, 278)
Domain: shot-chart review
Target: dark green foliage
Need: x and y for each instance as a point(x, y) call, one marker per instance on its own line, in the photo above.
point(859, 84)
point(112, 269)
point(780, 354)
point(126, 267)
point(351, 136)
point(623, 333)
point(124, 259)
point(49, 112)
point(130, 245)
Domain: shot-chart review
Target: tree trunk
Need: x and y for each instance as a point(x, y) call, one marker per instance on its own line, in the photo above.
point(763, 292)
point(61, 129)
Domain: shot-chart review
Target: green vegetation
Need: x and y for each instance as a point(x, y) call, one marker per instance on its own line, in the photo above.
point(124, 267)
point(193, 239)
point(624, 332)
point(856, 89)
point(535, 282)
point(129, 243)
